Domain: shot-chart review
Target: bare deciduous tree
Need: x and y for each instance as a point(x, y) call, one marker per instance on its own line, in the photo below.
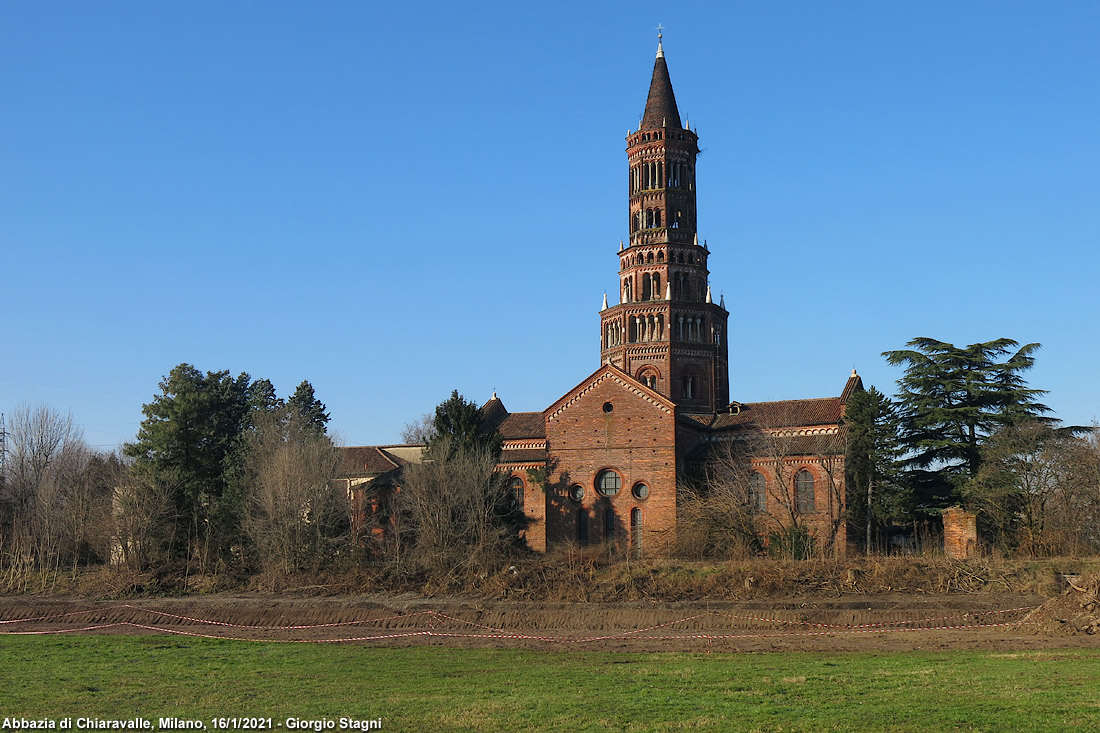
point(455, 513)
point(419, 431)
point(297, 516)
point(43, 488)
point(143, 520)
point(1037, 492)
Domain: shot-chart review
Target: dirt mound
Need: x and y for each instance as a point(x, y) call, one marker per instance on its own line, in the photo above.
point(1077, 611)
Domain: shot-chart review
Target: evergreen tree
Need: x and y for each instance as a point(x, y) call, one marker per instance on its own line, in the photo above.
point(950, 400)
point(309, 409)
point(459, 427)
point(262, 398)
point(875, 496)
point(189, 443)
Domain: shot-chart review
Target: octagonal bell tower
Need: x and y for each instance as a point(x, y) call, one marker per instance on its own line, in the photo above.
point(666, 330)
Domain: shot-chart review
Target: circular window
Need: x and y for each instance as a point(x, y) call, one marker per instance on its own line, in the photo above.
point(608, 482)
point(608, 407)
point(640, 491)
point(576, 492)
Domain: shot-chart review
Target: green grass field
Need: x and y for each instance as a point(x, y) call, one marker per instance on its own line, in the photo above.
point(440, 689)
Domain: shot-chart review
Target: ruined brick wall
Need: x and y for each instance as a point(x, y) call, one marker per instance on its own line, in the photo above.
point(960, 533)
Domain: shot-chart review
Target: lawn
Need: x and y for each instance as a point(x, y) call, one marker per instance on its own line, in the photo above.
point(442, 689)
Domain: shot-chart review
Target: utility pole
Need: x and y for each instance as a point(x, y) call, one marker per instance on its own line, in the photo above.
point(3, 450)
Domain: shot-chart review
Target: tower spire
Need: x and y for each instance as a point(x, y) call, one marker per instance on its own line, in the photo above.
point(660, 106)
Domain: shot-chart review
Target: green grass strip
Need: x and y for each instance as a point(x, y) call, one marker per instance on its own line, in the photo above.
point(441, 689)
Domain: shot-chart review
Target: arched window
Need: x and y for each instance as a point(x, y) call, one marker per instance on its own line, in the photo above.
point(804, 492)
point(657, 286)
point(636, 530)
point(647, 287)
point(656, 217)
point(758, 485)
point(608, 482)
point(609, 525)
point(516, 487)
point(687, 387)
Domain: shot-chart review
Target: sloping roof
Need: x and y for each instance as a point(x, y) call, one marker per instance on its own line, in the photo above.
point(783, 414)
point(374, 460)
point(660, 105)
point(854, 384)
point(492, 412)
point(366, 459)
point(523, 425)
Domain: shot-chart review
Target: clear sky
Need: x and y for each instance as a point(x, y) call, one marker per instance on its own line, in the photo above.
point(394, 200)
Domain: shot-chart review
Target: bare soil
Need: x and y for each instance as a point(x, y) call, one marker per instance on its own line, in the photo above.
point(886, 622)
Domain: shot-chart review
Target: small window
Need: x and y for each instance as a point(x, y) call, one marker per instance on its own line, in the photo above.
point(608, 407)
point(759, 488)
point(640, 491)
point(576, 492)
point(608, 483)
point(516, 487)
point(804, 492)
point(636, 530)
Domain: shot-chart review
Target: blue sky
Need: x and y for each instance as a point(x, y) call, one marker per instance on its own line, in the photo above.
point(397, 200)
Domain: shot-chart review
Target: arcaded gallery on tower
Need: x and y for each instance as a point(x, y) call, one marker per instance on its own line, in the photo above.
point(604, 462)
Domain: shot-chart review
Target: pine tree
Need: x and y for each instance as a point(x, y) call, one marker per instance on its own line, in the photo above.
point(189, 443)
point(310, 409)
point(875, 496)
point(950, 400)
point(459, 427)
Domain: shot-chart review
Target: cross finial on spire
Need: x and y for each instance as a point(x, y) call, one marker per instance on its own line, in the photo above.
point(660, 47)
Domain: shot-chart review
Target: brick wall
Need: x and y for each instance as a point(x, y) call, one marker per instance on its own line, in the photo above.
point(960, 533)
point(611, 422)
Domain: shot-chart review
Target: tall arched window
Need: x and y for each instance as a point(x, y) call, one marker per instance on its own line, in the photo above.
point(609, 525)
point(647, 287)
point(636, 530)
point(758, 485)
point(516, 486)
point(804, 492)
point(582, 527)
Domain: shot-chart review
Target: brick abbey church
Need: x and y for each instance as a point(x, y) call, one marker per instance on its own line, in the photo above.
point(606, 461)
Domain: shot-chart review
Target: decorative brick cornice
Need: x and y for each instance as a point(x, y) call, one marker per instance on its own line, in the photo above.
point(523, 445)
point(626, 383)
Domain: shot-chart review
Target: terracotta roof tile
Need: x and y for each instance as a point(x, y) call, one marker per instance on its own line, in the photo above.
point(785, 413)
point(523, 425)
point(364, 460)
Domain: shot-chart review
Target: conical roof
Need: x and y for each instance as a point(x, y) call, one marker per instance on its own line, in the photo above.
point(660, 106)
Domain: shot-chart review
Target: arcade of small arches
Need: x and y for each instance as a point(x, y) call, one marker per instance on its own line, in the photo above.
point(650, 289)
point(657, 174)
point(645, 137)
point(651, 327)
point(643, 258)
